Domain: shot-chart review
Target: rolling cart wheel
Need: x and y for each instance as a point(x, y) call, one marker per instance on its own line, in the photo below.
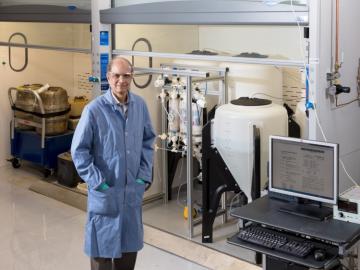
point(48, 172)
point(15, 163)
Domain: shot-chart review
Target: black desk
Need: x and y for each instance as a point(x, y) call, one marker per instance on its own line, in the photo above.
point(336, 235)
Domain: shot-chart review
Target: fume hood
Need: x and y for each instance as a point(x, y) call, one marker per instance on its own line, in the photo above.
point(45, 11)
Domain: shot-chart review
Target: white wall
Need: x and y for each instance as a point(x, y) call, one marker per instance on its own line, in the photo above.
point(279, 42)
point(341, 125)
point(53, 67)
point(176, 39)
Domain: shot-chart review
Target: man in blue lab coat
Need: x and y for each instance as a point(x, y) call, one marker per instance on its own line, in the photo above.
point(112, 151)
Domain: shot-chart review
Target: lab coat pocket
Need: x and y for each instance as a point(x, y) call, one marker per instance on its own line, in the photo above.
point(139, 193)
point(102, 202)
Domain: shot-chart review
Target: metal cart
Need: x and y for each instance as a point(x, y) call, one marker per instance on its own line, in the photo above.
point(31, 146)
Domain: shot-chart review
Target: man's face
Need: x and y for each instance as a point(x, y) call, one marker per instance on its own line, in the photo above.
point(119, 78)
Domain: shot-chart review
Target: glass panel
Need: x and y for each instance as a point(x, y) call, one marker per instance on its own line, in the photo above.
point(282, 42)
point(68, 70)
point(48, 34)
point(263, 81)
point(118, 3)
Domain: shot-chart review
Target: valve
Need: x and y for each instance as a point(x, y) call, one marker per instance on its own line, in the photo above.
point(336, 89)
point(162, 136)
point(93, 79)
point(159, 82)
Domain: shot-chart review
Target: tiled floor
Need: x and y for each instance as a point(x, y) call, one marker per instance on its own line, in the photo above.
point(38, 233)
point(169, 218)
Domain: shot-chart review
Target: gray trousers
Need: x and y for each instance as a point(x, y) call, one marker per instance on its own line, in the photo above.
point(126, 262)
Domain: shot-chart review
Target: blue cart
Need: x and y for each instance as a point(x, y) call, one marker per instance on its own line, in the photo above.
point(26, 145)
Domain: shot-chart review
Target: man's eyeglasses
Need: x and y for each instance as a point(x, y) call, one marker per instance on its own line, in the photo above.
point(117, 76)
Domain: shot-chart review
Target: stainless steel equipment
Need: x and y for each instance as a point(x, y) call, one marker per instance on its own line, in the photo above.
point(25, 100)
point(34, 102)
point(54, 100)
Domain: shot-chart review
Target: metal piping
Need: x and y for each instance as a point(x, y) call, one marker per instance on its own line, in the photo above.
point(146, 71)
point(41, 47)
point(337, 64)
point(189, 157)
point(244, 60)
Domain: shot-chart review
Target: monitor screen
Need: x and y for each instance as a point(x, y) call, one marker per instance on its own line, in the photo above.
point(303, 168)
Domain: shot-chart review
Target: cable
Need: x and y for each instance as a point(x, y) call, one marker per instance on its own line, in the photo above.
point(232, 200)
point(178, 194)
point(346, 103)
point(319, 125)
point(340, 160)
point(167, 113)
point(312, 95)
point(346, 172)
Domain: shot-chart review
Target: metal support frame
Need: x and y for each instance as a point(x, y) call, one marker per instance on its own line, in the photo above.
point(189, 156)
point(314, 63)
point(164, 158)
point(101, 46)
point(213, 13)
point(42, 47)
point(222, 75)
point(146, 71)
point(189, 73)
point(215, 58)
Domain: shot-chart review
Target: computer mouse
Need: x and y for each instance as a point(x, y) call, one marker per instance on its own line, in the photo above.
point(319, 255)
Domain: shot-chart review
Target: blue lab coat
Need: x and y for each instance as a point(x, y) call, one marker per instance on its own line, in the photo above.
point(108, 148)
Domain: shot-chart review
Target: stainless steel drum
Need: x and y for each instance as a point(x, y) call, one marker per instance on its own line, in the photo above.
point(54, 100)
point(26, 101)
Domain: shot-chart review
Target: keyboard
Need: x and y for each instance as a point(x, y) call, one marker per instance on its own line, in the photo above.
point(275, 240)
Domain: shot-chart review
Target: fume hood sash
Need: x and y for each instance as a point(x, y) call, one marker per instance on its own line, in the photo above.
point(42, 47)
point(44, 13)
point(215, 58)
point(207, 13)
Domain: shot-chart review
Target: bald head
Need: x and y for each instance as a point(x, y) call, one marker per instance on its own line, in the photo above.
point(122, 61)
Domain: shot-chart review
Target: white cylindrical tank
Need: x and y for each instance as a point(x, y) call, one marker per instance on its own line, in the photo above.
point(233, 135)
point(204, 86)
point(260, 81)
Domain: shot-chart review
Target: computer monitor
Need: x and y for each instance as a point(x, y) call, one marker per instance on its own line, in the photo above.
point(304, 169)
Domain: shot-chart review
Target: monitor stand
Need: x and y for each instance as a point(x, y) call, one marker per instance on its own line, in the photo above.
point(316, 212)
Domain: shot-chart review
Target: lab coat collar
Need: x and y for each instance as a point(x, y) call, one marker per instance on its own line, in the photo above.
point(111, 101)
